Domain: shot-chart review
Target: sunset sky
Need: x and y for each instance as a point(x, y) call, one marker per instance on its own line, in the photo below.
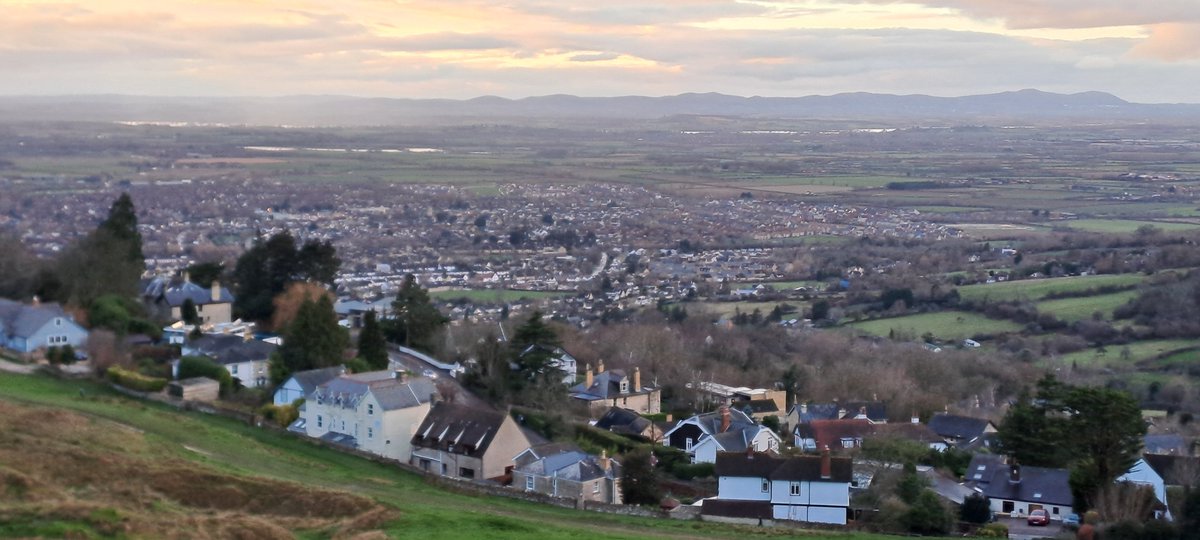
point(1147, 51)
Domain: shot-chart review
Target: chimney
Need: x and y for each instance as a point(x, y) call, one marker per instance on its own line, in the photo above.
point(637, 379)
point(589, 378)
point(247, 336)
point(187, 277)
point(216, 291)
point(600, 367)
point(803, 408)
point(826, 463)
point(1014, 474)
point(670, 417)
point(36, 301)
point(604, 463)
point(726, 418)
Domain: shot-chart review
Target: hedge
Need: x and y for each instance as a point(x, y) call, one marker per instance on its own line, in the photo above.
point(200, 366)
point(135, 381)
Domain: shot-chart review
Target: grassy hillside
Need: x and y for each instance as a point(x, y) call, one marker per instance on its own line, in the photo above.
point(951, 325)
point(119, 467)
point(1036, 289)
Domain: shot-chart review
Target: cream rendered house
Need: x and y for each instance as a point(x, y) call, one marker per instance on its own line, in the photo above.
point(375, 412)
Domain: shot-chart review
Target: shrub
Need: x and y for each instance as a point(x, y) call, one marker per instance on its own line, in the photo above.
point(976, 509)
point(134, 380)
point(199, 366)
point(685, 471)
point(283, 415)
point(993, 530)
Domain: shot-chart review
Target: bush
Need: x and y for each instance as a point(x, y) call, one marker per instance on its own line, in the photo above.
point(685, 471)
point(993, 530)
point(976, 509)
point(134, 380)
point(283, 415)
point(199, 366)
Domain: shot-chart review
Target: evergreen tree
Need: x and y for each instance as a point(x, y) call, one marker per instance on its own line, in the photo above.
point(372, 347)
point(416, 319)
point(313, 340)
point(265, 270)
point(540, 341)
point(122, 225)
point(639, 480)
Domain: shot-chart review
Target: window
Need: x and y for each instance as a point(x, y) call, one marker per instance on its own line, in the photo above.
point(233, 369)
point(57, 322)
point(794, 489)
point(343, 425)
point(766, 485)
point(1056, 510)
point(596, 487)
point(444, 469)
point(466, 473)
point(370, 433)
point(528, 483)
point(688, 444)
point(320, 422)
point(425, 464)
point(370, 408)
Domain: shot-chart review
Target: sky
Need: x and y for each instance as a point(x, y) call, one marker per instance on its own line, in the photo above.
point(1141, 50)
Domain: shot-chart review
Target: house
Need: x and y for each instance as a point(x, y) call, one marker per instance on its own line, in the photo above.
point(755, 486)
point(354, 311)
point(724, 430)
point(713, 394)
point(247, 359)
point(466, 442)
point(214, 304)
point(629, 423)
point(375, 411)
point(27, 328)
point(1015, 490)
point(302, 383)
point(195, 389)
point(177, 333)
point(614, 388)
point(835, 434)
point(1142, 474)
point(560, 359)
point(566, 471)
point(1175, 470)
point(963, 432)
point(802, 413)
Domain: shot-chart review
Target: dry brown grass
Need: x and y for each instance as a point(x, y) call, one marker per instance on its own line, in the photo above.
point(65, 467)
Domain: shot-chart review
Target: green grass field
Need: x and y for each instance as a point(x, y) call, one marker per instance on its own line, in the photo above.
point(1035, 289)
point(944, 325)
point(1125, 225)
point(161, 433)
point(785, 286)
point(1078, 309)
point(495, 296)
point(1116, 355)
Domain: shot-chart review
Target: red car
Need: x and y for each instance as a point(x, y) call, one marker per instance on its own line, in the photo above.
point(1038, 517)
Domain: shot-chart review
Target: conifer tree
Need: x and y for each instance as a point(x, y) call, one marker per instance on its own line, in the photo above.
point(372, 347)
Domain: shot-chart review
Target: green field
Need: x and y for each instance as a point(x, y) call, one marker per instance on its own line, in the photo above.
point(944, 325)
point(1078, 309)
point(495, 296)
point(948, 209)
point(169, 439)
point(1125, 225)
point(1035, 289)
point(785, 286)
point(1116, 355)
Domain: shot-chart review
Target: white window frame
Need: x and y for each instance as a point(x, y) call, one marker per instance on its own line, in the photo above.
point(766, 485)
point(688, 444)
point(370, 409)
point(320, 421)
point(528, 483)
point(794, 489)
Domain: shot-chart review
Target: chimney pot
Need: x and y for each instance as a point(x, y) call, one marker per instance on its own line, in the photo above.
point(826, 463)
point(216, 291)
point(726, 418)
point(637, 379)
point(600, 367)
point(589, 377)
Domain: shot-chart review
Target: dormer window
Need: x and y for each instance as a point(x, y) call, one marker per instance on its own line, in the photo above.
point(624, 387)
point(370, 408)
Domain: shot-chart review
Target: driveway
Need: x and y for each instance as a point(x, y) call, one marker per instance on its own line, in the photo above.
point(1018, 528)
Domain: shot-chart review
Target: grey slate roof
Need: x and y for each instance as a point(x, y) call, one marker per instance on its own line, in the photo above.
point(231, 349)
point(954, 426)
point(309, 380)
point(982, 467)
point(175, 293)
point(794, 468)
point(710, 422)
point(625, 421)
point(1175, 470)
point(348, 391)
point(570, 465)
point(876, 411)
point(605, 385)
point(1037, 485)
point(458, 429)
point(22, 320)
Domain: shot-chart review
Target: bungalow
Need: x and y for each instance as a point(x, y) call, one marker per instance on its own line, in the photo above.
point(247, 359)
point(725, 430)
point(214, 304)
point(27, 328)
point(375, 411)
point(963, 432)
point(754, 486)
point(566, 471)
point(1015, 490)
point(302, 383)
point(614, 388)
point(465, 442)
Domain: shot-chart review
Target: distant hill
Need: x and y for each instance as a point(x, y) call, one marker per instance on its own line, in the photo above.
point(343, 110)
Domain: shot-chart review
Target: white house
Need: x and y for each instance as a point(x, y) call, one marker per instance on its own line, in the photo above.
point(302, 383)
point(724, 430)
point(245, 358)
point(27, 328)
point(757, 486)
point(561, 360)
point(376, 411)
point(1142, 474)
point(1015, 490)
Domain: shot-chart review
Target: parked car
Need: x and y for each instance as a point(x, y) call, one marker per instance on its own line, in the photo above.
point(1038, 517)
point(429, 373)
point(1071, 519)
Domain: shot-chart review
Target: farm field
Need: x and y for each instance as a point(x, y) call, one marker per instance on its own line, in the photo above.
point(1078, 309)
point(729, 309)
point(1035, 289)
point(1126, 225)
point(321, 491)
point(1116, 355)
point(784, 286)
point(944, 325)
point(496, 296)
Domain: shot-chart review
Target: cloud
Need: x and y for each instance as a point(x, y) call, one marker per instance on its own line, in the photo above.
point(1171, 42)
point(594, 57)
point(1066, 13)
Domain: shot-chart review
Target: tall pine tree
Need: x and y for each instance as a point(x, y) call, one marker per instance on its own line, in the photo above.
point(372, 347)
point(416, 319)
point(313, 340)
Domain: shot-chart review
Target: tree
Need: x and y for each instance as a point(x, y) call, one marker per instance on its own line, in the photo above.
point(265, 270)
point(288, 303)
point(122, 224)
point(639, 479)
point(820, 310)
point(976, 509)
point(416, 319)
point(927, 515)
point(534, 333)
point(372, 346)
point(313, 340)
point(204, 273)
point(188, 312)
